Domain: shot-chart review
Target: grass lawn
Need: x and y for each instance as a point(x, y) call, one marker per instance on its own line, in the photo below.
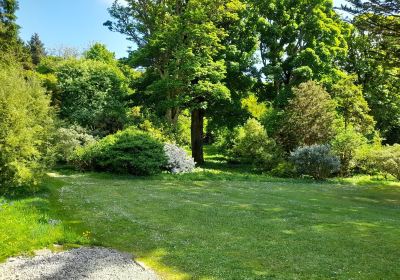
point(26, 224)
point(239, 229)
point(219, 223)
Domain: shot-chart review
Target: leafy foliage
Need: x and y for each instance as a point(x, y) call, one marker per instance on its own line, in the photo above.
point(251, 144)
point(315, 160)
point(36, 48)
point(310, 117)
point(345, 146)
point(127, 151)
point(26, 124)
point(177, 159)
point(352, 105)
point(299, 41)
point(383, 159)
point(92, 94)
point(68, 139)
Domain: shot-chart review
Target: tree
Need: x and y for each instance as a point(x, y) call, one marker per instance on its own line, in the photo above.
point(352, 105)
point(299, 41)
point(100, 52)
point(36, 48)
point(374, 55)
point(26, 124)
point(91, 94)
point(310, 117)
point(180, 44)
point(12, 47)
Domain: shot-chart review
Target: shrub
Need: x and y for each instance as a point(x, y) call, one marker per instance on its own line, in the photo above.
point(26, 126)
point(310, 117)
point(251, 144)
point(284, 169)
point(67, 140)
point(345, 145)
point(374, 159)
point(128, 151)
point(177, 159)
point(387, 160)
point(315, 160)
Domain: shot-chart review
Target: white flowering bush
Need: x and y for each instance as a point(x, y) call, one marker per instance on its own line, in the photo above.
point(316, 161)
point(177, 159)
point(68, 139)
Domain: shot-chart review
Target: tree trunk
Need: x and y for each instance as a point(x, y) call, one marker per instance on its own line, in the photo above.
point(197, 135)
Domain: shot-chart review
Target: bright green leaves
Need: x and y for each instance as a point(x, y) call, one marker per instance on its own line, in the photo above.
point(299, 40)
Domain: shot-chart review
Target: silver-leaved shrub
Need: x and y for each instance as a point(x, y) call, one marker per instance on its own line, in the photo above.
point(315, 160)
point(177, 159)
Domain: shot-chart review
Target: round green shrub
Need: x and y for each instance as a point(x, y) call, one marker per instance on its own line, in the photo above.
point(316, 161)
point(251, 144)
point(129, 151)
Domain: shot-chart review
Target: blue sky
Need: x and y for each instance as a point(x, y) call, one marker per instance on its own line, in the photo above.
point(72, 23)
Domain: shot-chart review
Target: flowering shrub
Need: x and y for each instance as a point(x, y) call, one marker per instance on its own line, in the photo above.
point(67, 140)
point(177, 159)
point(315, 160)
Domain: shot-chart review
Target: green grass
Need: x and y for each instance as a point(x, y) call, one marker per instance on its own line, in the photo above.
point(259, 228)
point(27, 224)
point(220, 222)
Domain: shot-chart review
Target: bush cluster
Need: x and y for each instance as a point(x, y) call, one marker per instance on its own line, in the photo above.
point(380, 159)
point(315, 160)
point(129, 151)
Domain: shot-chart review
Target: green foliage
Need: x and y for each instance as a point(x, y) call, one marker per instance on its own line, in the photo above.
point(316, 161)
point(383, 159)
point(284, 169)
point(68, 139)
point(36, 48)
point(127, 151)
point(374, 48)
point(251, 144)
point(299, 40)
point(310, 117)
point(256, 109)
point(352, 105)
point(92, 94)
point(12, 48)
point(387, 160)
point(100, 52)
point(345, 145)
point(26, 124)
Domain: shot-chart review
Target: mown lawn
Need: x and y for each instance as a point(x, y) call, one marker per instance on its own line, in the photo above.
point(27, 224)
point(249, 227)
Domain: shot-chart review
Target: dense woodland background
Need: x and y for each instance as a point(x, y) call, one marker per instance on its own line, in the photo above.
point(286, 87)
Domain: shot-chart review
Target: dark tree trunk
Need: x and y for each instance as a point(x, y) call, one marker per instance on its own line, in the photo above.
point(197, 135)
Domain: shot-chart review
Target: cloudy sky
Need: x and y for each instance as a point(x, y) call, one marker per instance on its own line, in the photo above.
point(72, 23)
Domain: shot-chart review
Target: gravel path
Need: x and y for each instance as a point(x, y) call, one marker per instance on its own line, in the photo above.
point(84, 263)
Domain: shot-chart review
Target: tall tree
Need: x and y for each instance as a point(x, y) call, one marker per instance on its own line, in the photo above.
point(374, 55)
point(36, 48)
point(100, 52)
point(299, 41)
point(12, 47)
point(180, 44)
point(352, 105)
